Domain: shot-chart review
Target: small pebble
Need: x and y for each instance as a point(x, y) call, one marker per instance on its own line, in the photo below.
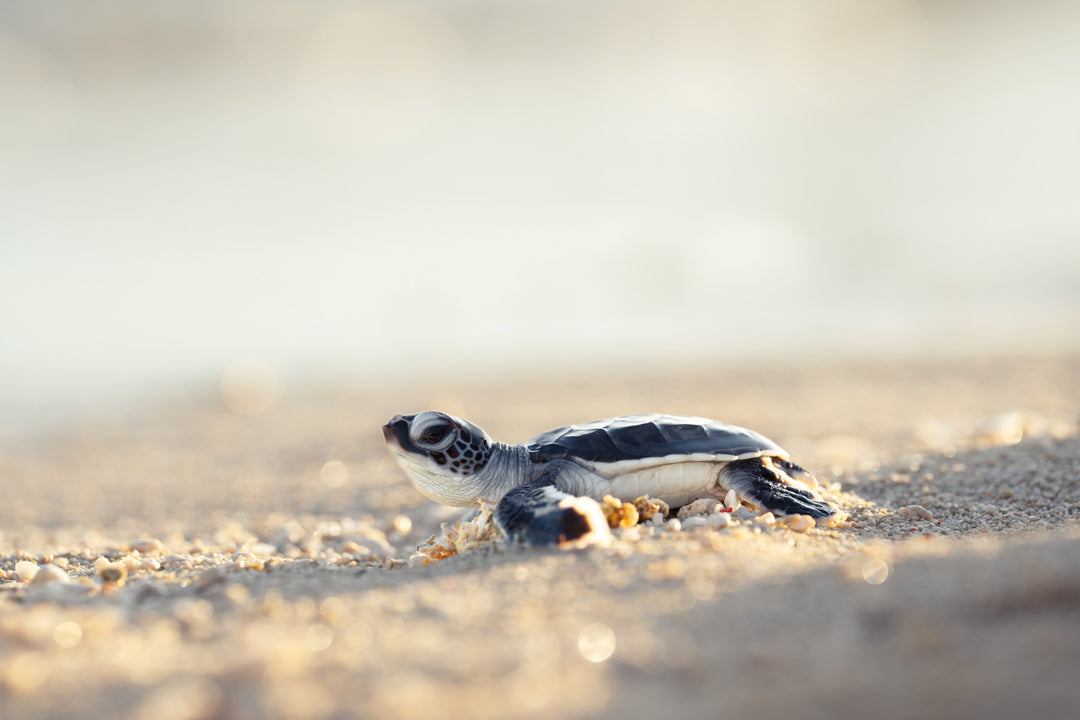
point(731, 500)
point(674, 525)
point(113, 573)
point(617, 513)
point(701, 506)
point(798, 523)
point(649, 509)
point(26, 570)
point(915, 512)
point(48, 574)
point(765, 519)
point(147, 546)
point(719, 520)
point(743, 513)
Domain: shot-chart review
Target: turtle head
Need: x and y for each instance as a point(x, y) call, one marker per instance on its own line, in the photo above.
point(441, 454)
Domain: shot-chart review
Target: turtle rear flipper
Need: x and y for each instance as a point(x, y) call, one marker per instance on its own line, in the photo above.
point(795, 472)
point(762, 484)
point(541, 514)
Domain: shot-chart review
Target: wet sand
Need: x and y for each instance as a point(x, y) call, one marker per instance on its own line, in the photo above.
point(192, 562)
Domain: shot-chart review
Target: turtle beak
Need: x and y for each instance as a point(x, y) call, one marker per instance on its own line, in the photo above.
point(396, 432)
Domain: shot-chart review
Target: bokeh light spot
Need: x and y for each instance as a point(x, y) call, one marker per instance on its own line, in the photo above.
point(318, 637)
point(68, 634)
point(875, 571)
point(334, 473)
point(596, 642)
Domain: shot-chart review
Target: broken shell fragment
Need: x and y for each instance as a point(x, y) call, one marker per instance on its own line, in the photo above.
point(914, 512)
point(648, 508)
point(619, 514)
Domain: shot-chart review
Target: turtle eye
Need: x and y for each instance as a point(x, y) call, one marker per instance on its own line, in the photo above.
point(434, 434)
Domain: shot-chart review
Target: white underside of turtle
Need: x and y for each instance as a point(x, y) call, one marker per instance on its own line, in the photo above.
point(541, 489)
point(675, 479)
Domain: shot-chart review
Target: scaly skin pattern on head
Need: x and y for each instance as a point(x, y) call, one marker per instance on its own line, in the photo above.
point(452, 461)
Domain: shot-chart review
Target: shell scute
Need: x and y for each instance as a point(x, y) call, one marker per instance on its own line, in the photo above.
point(650, 439)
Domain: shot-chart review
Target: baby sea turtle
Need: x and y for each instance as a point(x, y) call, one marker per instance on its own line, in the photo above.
point(545, 490)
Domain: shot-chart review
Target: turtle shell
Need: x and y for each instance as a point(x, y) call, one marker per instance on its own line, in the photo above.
point(650, 439)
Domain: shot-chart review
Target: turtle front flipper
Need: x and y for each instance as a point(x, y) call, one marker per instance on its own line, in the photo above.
point(762, 484)
point(540, 514)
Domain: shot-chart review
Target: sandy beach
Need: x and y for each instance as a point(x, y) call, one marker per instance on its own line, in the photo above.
point(191, 562)
point(237, 238)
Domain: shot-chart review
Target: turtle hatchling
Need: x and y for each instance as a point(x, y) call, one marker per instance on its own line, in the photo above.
point(545, 491)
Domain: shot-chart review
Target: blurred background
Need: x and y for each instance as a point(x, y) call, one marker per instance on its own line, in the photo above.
point(282, 192)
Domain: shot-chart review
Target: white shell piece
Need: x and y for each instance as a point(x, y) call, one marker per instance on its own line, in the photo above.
point(701, 506)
